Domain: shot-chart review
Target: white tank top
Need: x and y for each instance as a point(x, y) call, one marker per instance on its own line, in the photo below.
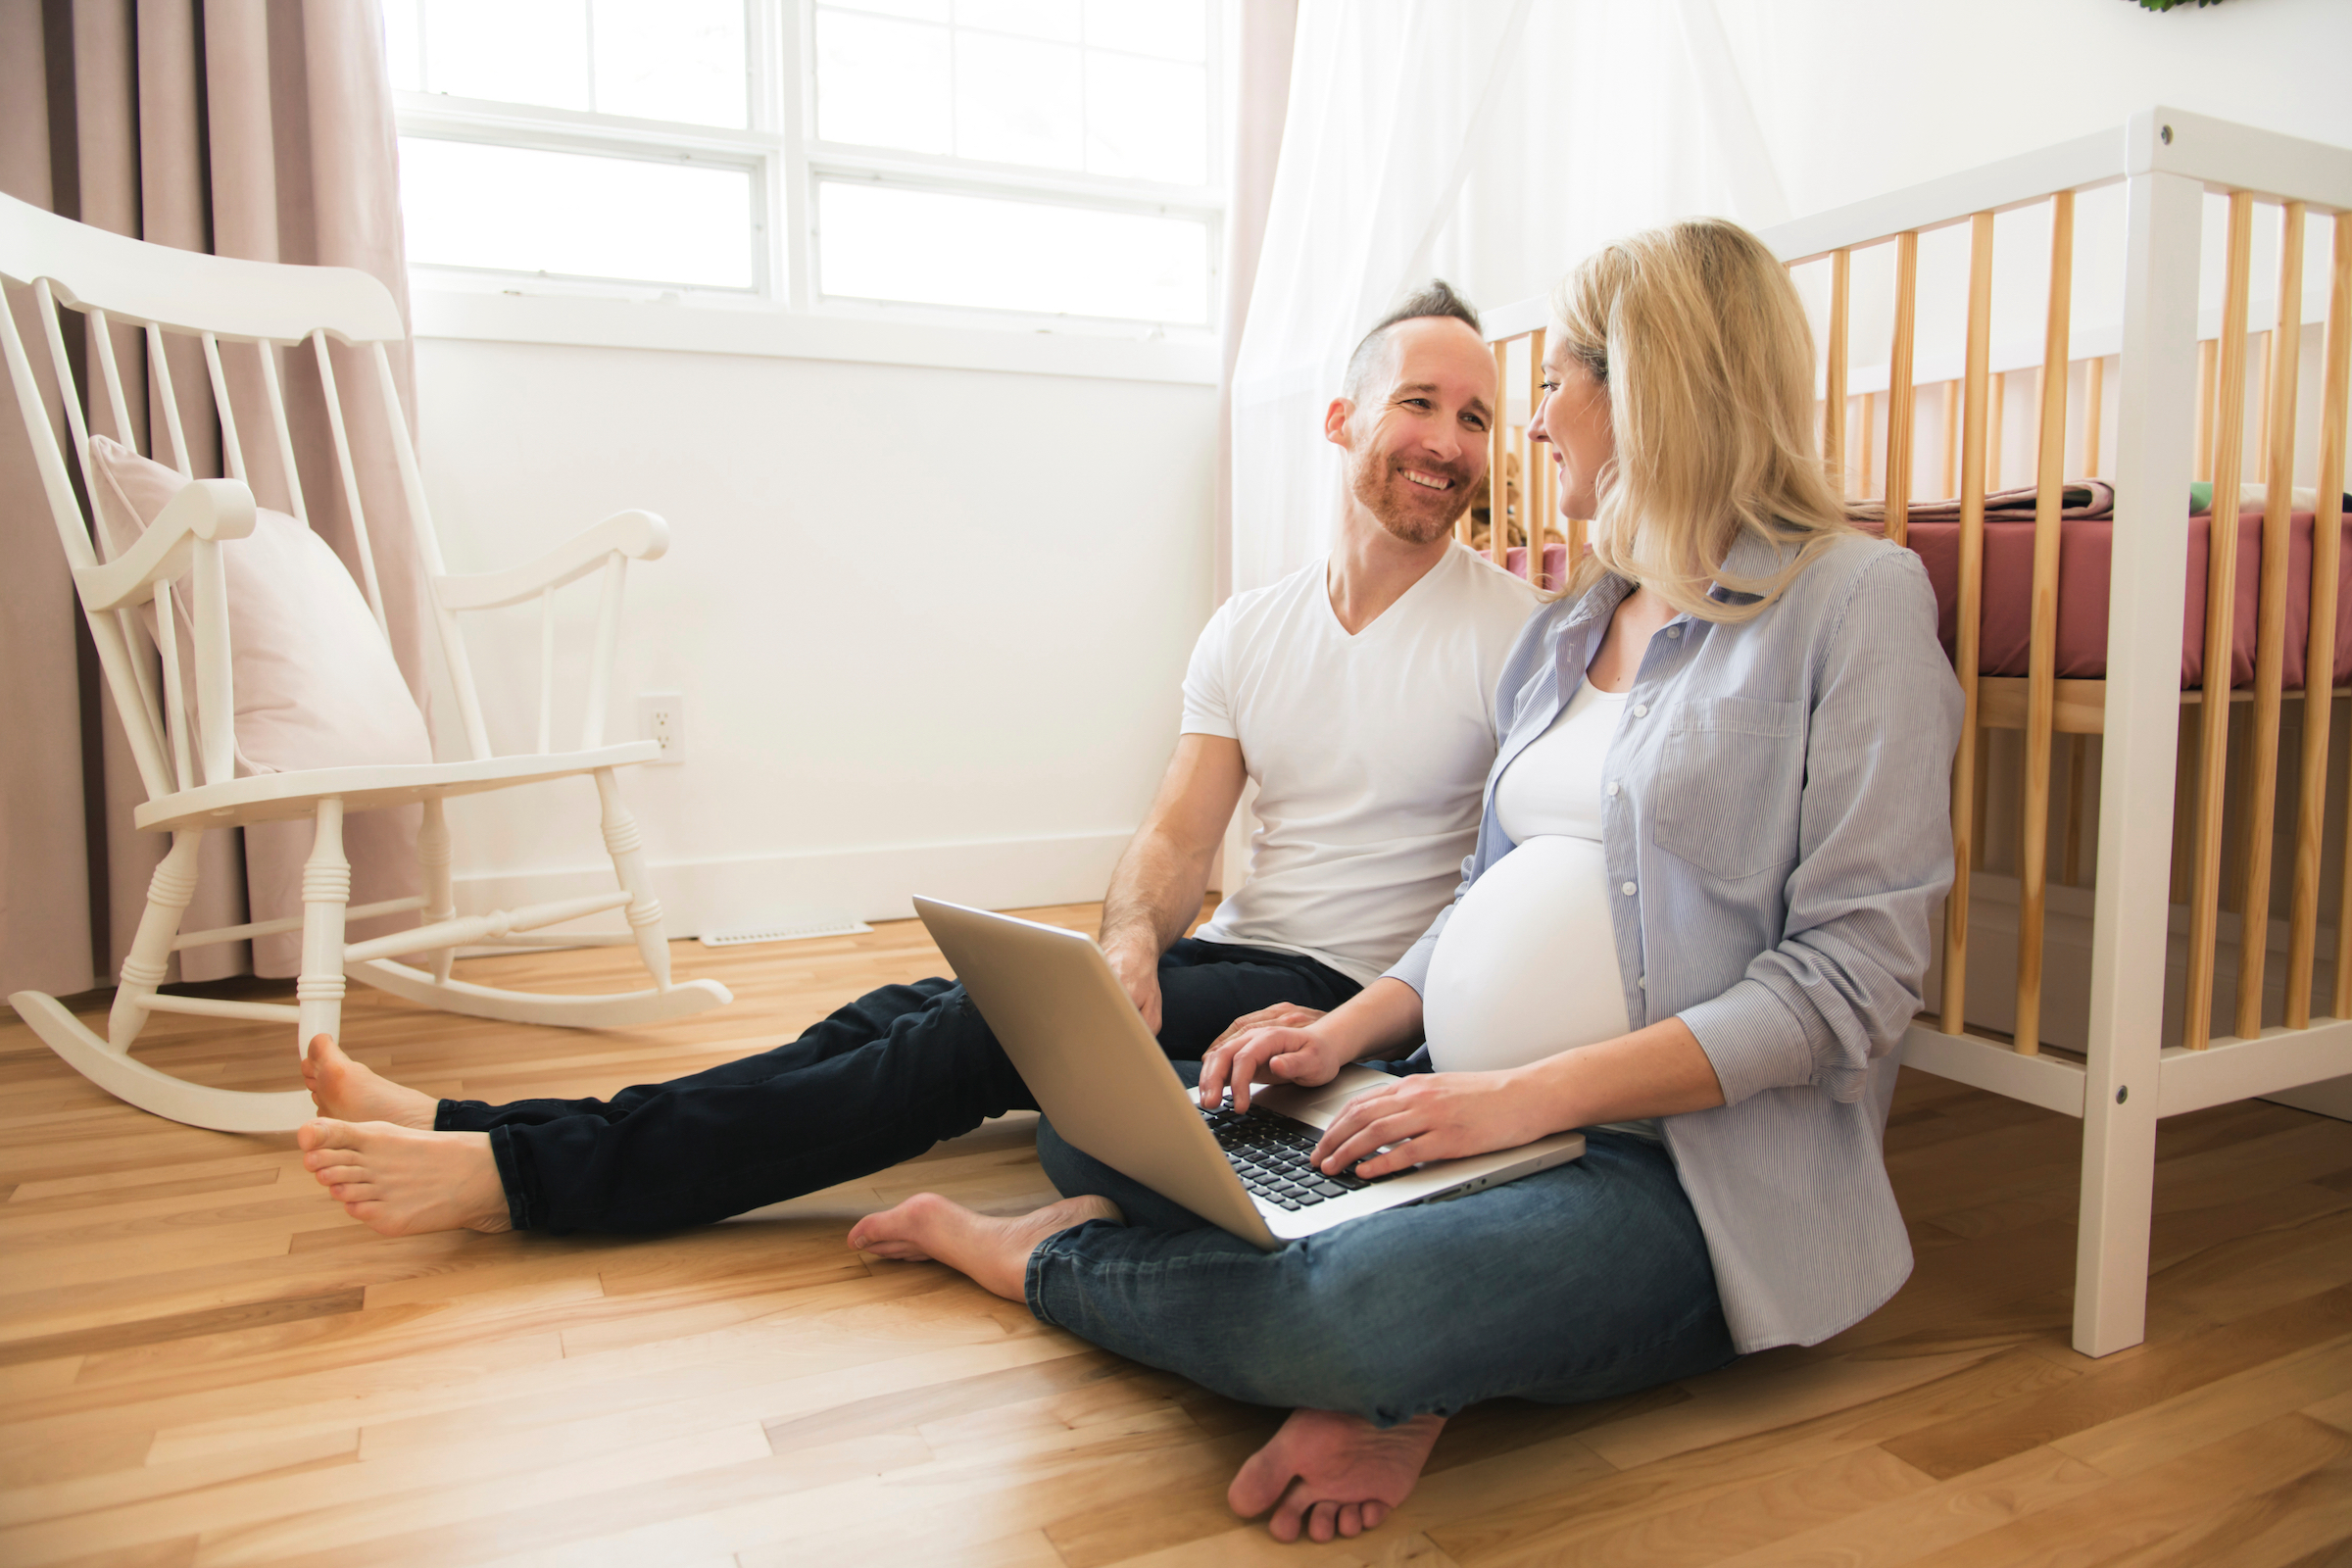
point(1526, 966)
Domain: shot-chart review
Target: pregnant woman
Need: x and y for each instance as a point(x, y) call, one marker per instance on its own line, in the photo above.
point(1694, 925)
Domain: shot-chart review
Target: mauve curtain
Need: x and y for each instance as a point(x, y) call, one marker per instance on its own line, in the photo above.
point(255, 128)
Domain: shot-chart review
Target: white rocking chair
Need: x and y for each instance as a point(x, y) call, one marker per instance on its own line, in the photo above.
point(234, 303)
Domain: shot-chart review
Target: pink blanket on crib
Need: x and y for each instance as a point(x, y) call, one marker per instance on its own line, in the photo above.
point(2085, 546)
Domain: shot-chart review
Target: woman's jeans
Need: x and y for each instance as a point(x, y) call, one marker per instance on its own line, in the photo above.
point(1582, 1282)
point(880, 1081)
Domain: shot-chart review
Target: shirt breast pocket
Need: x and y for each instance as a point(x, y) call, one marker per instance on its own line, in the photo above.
point(1730, 775)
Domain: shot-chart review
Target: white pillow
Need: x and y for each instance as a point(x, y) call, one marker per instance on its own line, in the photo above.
point(315, 683)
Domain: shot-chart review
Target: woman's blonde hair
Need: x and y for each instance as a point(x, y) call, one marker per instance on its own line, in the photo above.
point(1696, 335)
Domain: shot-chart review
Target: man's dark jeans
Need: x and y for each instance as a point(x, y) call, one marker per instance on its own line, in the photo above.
point(878, 1082)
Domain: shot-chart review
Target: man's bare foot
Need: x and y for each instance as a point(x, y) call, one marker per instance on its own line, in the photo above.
point(402, 1182)
point(994, 1252)
point(350, 1092)
point(1330, 1474)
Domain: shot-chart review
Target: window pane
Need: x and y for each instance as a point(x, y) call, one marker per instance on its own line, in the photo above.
point(1018, 102)
point(519, 209)
point(883, 83)
point(885, 243)
point(1032, 19)
point(515, 51)
point(1173, 29)
point(671, 60)
point(1147, 118)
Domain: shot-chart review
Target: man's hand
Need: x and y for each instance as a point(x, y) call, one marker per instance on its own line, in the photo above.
point(1433, 1115)
point(1286, 1055)
point(1281, 1015)
point(1138, 976)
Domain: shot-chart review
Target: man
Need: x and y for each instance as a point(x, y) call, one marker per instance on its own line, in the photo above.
point(1357, 694)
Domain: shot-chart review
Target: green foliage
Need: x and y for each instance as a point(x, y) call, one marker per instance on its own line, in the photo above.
point(2167, 5)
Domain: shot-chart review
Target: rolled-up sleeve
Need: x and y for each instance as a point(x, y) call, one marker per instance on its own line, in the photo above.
point(1875, 853)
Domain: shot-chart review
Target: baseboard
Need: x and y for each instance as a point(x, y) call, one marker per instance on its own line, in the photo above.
point(870, 884)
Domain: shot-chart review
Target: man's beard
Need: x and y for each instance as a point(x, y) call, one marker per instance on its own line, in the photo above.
point(1407, 516)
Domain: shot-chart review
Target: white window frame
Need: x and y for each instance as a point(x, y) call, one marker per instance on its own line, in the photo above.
point(783, 312)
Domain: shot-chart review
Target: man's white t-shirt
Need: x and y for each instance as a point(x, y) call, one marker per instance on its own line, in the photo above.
point(1370, 754)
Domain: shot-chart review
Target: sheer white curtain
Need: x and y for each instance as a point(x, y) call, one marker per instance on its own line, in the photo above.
point(1489, 141)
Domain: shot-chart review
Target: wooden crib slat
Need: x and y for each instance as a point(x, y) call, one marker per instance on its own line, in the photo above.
point(1951, 440)
point(2270, 636)
point(1902, 407)
point(1864, 442)
point(2094, 377)
point(2221, 600)
point(2041, 693)
point(1993, 431)
point(1498, 463)
point(1535, 473)
point(2208, 361)
point(2318, 668)
point(1966, 766)
point(1832, 403)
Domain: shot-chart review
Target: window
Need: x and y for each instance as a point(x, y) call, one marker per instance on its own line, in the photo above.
point(1025, 162)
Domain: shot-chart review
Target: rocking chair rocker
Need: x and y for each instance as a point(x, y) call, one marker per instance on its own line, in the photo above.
point(260, 308)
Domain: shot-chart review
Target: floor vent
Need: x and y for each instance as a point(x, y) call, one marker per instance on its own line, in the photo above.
point(815, 925)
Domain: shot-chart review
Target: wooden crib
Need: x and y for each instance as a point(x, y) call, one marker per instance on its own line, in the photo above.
point(2190, 830)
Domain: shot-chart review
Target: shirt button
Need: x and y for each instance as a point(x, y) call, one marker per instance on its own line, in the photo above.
point(1674, 633)
point(1627, 889)
point(1641, 984)
point(1612, 789)
point(1640, 709)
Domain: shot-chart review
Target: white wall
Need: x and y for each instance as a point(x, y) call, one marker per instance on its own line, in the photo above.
point(929, 623)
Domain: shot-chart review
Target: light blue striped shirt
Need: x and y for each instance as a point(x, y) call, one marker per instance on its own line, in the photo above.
point(1777, 832)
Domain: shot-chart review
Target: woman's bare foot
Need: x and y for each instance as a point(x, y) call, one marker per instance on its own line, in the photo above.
point(994, 1252)
point(350, 1092)
point(401, 1182)
point(1330, 1474)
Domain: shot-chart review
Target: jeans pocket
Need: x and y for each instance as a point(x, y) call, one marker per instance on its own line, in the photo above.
point(1730, 777)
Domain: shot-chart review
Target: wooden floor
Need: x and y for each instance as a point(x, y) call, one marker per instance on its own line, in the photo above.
point(203, 1361)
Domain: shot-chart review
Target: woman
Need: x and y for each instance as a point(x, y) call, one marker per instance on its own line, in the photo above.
point(1724, 759)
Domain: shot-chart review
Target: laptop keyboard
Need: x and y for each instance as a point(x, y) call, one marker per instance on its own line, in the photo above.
point(1270, 1153)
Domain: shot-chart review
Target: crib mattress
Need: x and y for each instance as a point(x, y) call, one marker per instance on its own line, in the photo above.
point(2086, 551)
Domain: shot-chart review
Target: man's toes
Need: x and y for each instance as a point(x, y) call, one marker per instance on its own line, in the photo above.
point(1289, 1514)
point(1376, 1514)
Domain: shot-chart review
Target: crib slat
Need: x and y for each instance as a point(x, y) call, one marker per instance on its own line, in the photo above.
point(1832, 400)
point(2326, 541)
point(1534, 473)
point(1864, 441)
point(2270, 636)
point(2208, 361)
point(1498, 462)
point(1992, 432)
point(1951, 440)
point(2042, 692)
point(1966, 766)
point(2094, 376)
point(1903, 406)
point(2221, 600)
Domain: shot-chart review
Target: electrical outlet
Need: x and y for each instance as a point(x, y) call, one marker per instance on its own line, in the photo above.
point(661, 719)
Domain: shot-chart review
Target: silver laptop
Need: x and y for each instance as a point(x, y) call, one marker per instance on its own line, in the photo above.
point(1067, 1024)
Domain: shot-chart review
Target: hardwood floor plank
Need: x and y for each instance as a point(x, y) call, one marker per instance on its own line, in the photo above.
point(181, 1326)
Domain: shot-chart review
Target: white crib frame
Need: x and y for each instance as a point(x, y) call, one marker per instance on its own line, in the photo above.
point(2166, 159)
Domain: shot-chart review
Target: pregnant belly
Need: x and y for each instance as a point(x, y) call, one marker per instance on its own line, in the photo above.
point(1526, 966)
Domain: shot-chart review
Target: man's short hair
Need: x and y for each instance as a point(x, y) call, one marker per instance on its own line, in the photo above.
point(1435, 298)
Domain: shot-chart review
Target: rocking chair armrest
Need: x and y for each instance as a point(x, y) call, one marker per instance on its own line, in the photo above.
point(211, 510)
point(636, 535)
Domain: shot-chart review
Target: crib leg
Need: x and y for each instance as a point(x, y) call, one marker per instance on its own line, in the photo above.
point(2119, 1188)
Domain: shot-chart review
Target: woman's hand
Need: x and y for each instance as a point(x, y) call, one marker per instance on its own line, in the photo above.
point(1290, 1055)
point(1281, 1015)
point(1431, 1115)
